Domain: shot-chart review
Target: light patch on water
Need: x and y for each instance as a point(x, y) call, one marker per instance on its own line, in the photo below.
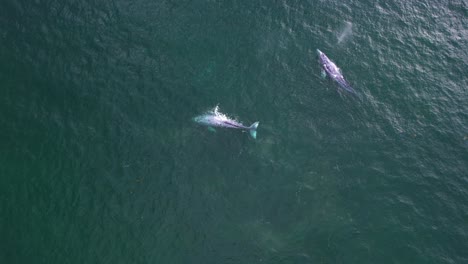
point(264, 236)
point(345, 32)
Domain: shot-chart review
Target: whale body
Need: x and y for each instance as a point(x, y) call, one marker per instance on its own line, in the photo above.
point(214, 118)
point(329, 68)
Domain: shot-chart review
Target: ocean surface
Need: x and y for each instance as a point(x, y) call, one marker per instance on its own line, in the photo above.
point(100, 161)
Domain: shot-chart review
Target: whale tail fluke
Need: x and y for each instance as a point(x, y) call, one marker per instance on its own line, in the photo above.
point(253, 130)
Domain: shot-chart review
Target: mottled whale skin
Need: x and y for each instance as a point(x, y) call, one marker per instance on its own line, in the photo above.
point(330, 69)
point(214, 118)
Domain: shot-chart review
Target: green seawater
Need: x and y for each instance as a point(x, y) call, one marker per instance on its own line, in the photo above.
point(100, 161)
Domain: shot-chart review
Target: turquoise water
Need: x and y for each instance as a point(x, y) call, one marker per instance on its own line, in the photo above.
point(101, 163)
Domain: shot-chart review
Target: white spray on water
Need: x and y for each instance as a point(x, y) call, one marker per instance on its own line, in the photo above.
point(345, 32)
